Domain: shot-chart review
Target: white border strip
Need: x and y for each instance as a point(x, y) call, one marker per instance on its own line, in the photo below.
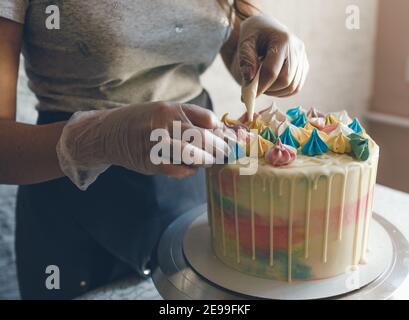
point(394, 120)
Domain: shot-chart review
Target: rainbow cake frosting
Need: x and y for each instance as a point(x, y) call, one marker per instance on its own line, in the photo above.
point(305, 213)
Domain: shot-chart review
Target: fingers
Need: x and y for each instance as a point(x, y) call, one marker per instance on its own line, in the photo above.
point(287, 73)
point(210, 129)
point(291, 87)
point(304, 75)
point(189, 154)
point(201, 117)
point(296, 82)
point(248, 58)
point(284, 67)
point(273, 63)
point(205, 140)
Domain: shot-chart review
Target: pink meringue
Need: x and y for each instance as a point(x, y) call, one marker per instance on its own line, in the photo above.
point(329, 128)
point(317, 122)
point(280, 154)
point(267, 114)
point(314, 113)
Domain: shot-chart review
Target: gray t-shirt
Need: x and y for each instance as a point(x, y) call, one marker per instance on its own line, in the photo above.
point(110, 53)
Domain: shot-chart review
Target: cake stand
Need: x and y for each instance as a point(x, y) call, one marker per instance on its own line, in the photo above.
point(179, 275)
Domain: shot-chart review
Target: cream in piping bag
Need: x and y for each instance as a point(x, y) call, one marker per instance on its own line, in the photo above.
point(249, 94)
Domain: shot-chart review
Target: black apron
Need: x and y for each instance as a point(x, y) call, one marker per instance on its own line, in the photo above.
point(99, 235)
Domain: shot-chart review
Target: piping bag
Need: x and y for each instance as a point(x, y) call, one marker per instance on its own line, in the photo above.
point(249, 95)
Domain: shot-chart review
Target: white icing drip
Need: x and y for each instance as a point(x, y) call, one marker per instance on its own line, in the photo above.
point(315, 183)
point(253, 231)
point(236, 219)
point(342, 205)
point(271, 223)
point(307, 220)
point(327, 216)
point(368, 215)
point(290, 231)
point(222, 210)
point(371, 190)
point(280, 187)
point(355, 249)
point(264, 183)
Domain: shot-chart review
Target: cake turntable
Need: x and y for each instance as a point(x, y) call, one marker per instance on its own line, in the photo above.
point(182, 275)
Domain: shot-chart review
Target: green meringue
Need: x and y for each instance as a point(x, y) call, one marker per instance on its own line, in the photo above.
point(269, 134)
point(360, 147)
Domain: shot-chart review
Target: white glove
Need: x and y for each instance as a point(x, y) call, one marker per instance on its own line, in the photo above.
point(91, 141)
point(284, 60)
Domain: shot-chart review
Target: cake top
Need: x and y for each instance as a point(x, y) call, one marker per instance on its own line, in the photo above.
point(280, 137)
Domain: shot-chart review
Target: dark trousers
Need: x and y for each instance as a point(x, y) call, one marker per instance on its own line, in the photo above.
point(98, 235)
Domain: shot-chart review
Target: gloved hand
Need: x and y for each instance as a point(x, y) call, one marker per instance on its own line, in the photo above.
point(266, 41)
point(91, 141)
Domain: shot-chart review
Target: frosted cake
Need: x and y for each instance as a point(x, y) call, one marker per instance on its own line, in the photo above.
point(305, 213)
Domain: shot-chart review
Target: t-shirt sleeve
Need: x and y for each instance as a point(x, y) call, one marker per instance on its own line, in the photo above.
point(13, 9)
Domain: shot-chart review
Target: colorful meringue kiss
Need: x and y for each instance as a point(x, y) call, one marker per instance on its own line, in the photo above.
point(359, 146)
point(314, 113)
point(288, 138)
point(303, 135)
point(331, 120)
point(280, 154)
point(356, 126)
point(272, 113)
point(342, 117)
point(315, 146)
point(328, 129)
point(258, 146)
point(318, 123)
point(267, 114)
point(294, 113)
point(278, 120)
point(339, 143)
point(269, 134)
point(338, 140)
point(309, 126)
point(341, 129)
point(300, 121)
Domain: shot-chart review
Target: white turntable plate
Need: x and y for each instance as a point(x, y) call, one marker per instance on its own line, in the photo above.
point(199, 254)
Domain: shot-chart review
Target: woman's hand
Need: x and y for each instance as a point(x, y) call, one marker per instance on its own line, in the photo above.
point(265, 41)
point(92, 141)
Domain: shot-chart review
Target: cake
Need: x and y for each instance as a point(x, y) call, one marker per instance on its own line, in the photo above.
point(305, 213)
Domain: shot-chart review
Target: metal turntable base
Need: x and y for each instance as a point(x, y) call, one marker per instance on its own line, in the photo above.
point(174, 278)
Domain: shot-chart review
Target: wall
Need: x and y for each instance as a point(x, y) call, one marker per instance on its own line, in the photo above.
point(341, 60)
point(391, 94)
point(391, 91)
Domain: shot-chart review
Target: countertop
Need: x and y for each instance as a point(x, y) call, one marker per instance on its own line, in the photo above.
point(391, 204)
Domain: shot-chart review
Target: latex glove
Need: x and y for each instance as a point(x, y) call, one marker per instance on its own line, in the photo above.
point(284, 60)
point(91, 141)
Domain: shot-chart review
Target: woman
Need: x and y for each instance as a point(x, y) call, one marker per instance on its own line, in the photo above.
point(106, 63)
